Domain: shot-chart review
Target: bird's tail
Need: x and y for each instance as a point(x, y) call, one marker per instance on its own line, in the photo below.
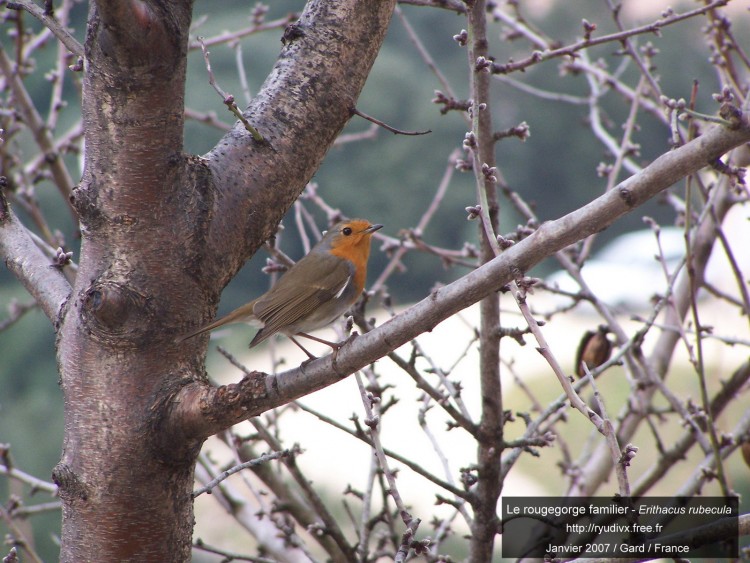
point(242, 314)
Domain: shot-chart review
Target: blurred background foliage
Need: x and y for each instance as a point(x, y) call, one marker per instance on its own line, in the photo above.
point(387, 179)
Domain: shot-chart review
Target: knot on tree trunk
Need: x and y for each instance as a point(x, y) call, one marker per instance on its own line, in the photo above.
point(114, 310)
point(71, 487)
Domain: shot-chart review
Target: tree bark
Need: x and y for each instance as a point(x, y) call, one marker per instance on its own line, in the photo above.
point(162, 234)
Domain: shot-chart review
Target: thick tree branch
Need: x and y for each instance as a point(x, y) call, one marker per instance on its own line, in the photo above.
point(301, 108)
point(263, 392)
point(22, 256)
point(139, 33)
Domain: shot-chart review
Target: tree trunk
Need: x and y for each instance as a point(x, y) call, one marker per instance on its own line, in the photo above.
point(162, 234)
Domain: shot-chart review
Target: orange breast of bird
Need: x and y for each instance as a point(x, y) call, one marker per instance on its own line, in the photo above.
point(356, 249)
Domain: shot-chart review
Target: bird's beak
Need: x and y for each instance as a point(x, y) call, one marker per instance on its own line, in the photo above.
point(373, 228)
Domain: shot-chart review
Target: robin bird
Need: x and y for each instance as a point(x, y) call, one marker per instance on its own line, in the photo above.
point(594, 349)
point(314, 292)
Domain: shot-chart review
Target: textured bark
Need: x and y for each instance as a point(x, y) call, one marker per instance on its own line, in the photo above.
point(162, 235)
point(28, 263)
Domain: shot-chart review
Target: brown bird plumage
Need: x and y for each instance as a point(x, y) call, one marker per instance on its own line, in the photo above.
point(314, 292)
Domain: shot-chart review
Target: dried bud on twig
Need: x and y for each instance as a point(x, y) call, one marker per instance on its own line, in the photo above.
point(470, 140)
point(62, 258)
point(449, 103)
point(628, 453)
point(482, 64)
point(461, 38)
point(725, 96)
point(473, 211)
point(504, 243)
point(588, 29)
point(490, 173)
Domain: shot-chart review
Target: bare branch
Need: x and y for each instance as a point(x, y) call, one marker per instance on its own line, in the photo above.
point(19, 537)
point(40, 277)
point(597, 465)
point(200, 545)
point(422, 50)
point(208, 487)
point(387, 127)
point(682, 445)
point(312, 513)
point(453, 5)
point(36, 124)
point(33, 482)
point(228, 99)
point(398, 457)
point(571, 50)
point(15, 312)
point(220, 408)
point(51, 23)
point(228, 37)
point(372, 421)
point(208, 118)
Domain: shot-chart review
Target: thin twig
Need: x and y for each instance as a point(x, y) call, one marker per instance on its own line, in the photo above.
point(33, 482)
point(372, 421)
point(231, 36)
point(323, 518)
point(200, 545)
point(570, 50)
point(251, 463)
point(43, 138)
point(50, 23)
point(15, 312)
point(422, 419)
point(34, 509)
point(424, 53)
point(18, 537)
point(621, 461)
point(414, 466)
point(228, 99)
point(423, 222)
point(387, 127)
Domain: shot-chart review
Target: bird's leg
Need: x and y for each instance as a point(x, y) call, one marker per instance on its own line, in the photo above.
point(309, 355)
point(334, 345)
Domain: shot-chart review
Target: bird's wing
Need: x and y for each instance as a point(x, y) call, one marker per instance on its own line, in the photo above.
point(314, 283)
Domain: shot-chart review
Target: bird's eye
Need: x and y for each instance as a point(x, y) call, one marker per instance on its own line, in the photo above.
point(347, 231)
